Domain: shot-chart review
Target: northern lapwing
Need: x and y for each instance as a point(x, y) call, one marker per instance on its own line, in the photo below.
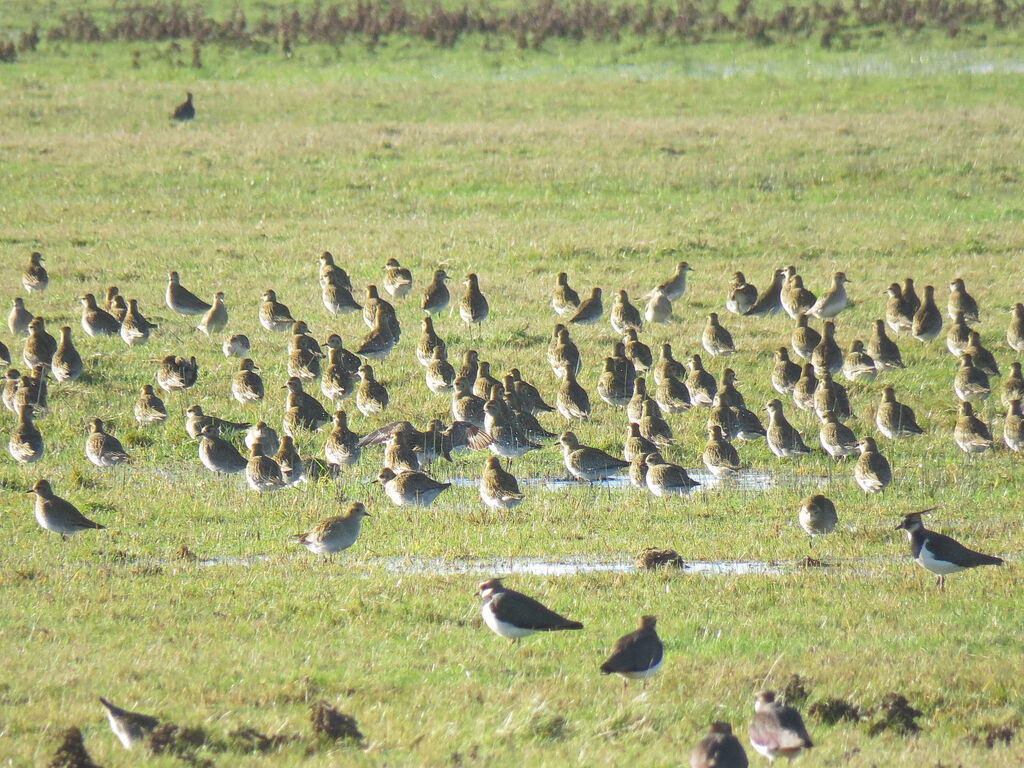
point(513, 615)
point(938, 553)
point(719, 749)
point(185, 111)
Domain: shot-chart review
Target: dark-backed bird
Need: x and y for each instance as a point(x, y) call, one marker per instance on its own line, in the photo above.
point(777, 730)
point(837, 439)
point(34, 278)
point(513, 615)
point(826, 355)
point(804, 338)
point(785, 373)
point(436, 297)
point(1015, 332)
point(247, 385)
point(830, 395)
point(982, 357)
point(589, 310)
point(1013, 427)
point(343, 445)
point(671, 395)
point(899, 312)
point(498, 488)
point(429, 341)
point(719, 749)
point(719, 456)
point(1013, 387)
point(288, 459)
point(637, 655)
point(700, 383)
point(410, 489)
point(26, 441)
point(806, 386)
point(769, 300)
point(970, 382)
point(572, 400)
point(666, 479)
point(796, 299)
point(927, 320)
point(66, 363)
point(884, 350)
point(894, 419)
point(716, 339)
point(938, 553)
point(129, 727)
point(177, 373)
point(337, 296)
point(910, 296)
point(196, 419)
point(961, 302)
point(185, 111)
point(262, 473)
point(371, 396)
point(741, 296)
point(40, 345)
point(667, 365)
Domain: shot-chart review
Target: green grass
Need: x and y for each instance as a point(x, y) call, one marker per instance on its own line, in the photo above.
point(612, 162)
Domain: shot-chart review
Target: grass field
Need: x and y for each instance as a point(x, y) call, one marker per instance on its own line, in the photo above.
point(611, 161)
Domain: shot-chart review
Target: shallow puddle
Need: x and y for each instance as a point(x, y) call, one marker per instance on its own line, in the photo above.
point(751, 480)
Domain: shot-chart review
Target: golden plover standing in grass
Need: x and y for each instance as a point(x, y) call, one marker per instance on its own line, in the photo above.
point(872, 472)
point(700, 383)
point(437, 297)
point(473, 307)
point(513, 615)
point(817, 515)
point(484, 381)
point(1015, 333)
point(970, 382)
point(236, 345)
point(671, 395)
point(638, 352)
point(742, 295)
point(429, 341)
point(26, 442)
point(273, 315)
point(55, 514)
point(564, 300)
point(311, 413)
point(777, 730)
point(837, 439)
point(982, 358)
point(40, 345)
point(262, 473)
point(129, 727)
point(397, 279)
point(331, 271)
point(196, 419)
point(572, 400)
point(971, 434)
point(216, 318)
point(664, 479)
point(135, 328)
point(342, 446)
point(589, 310)
point(440, 375)
point(19, 318)
point(715, 339)
point(34, 278)
point(719, 456)
point(783, 439)
point(635, 406)
point(1013, 388)
point(910, 296)
point(1013, 427)
point(217, 454)
point(675, 286)
point(498, 488)
point(884, 350)
point(938, 553)
point(335, 534)
point(637, 655)
point(927, 320)
point(149, 408)
point(830, 395)
point(337, 297)
point(658, 309)
point(958, 335)
point(858, 365)
point(66, 363)
point(719, 749)
point(562, 352)
point(289, 460)
point(796, 299)
point(652, 425)
point(960, 301)
point(636, 444)
point(833, 300)
point(247, 385)
point(181, 300)
point(785, 373)
point(899, 311)
point(769, 301)
point(410, 489)
point(96, 321)
point(102, 449)
point(585, 463)
point(265, 435)
point(804, 338)
point(827, 356)
point(176, 373)
point(623, 314)
point(806, 385)
point(372, 396)
point(638, 468)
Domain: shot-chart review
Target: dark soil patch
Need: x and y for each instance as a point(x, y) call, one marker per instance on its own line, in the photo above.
point(251, 740)
point(831, 711)
point(897, 715)
point(795, 693)
point(71, 753)
point(333, 724)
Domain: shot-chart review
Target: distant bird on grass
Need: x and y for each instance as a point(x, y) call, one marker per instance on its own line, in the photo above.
point(335, 533)
point(777, 730)
point(719, 749)
point(184, 111)
point(129, 727)
point(55, 514)
point(637, 655)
